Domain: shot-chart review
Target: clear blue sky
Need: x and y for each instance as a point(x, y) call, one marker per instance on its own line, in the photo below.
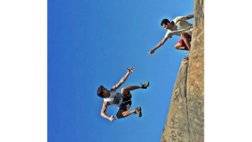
point(91, 43)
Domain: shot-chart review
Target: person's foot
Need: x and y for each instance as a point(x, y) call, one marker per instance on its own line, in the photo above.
point(145, 85)
point(139, 111)
point(186, 58)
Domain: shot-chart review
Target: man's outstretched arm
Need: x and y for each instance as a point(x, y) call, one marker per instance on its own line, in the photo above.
point(161, 42)
point(104, 112)
point(123, 79)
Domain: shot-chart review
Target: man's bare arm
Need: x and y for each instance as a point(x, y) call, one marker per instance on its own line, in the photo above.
point(187, 17)
point(161, 42)
point(123, 79)
point(104, 112)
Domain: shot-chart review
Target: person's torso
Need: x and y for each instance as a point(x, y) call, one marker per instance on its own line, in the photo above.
point(182, 24)
point(115, 98)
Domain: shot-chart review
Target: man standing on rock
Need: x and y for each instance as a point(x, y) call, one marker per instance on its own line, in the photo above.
point(122, 100)
point(179, 26)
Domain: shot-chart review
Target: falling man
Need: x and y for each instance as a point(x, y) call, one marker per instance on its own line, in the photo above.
point(122, 100)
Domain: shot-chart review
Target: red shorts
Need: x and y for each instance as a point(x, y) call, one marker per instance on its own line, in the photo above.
point(181, 41)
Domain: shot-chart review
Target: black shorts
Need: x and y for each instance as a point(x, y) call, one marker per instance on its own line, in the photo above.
point(124, 106)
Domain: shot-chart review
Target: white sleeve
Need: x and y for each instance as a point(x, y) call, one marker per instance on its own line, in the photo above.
point(175, 20)
point(167, 34)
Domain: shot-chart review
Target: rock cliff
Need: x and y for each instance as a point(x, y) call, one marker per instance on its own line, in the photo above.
point(185, 120)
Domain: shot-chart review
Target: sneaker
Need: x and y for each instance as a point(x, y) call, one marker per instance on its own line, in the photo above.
point(145, 85)
point(186, 58)
point(139, 111)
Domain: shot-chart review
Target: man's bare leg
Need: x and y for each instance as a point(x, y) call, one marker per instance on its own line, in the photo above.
point(130, 88)
point(179, 46)
point(130, 112)
point(134, 87)
point(186, 41)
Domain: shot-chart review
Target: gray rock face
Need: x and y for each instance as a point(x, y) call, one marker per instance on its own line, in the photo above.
point(185, 121)
point(177, 126)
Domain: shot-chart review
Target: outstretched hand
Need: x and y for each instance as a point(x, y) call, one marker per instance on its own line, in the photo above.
point(131, 69)
point(152, 51)
point(112, 118)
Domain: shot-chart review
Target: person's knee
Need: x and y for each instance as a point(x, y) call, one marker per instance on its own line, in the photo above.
point(178, 45)
point(125, 113)
point(121, 114)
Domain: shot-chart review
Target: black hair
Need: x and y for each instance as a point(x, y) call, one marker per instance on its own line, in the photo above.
point(164, 21)
point(100, 91)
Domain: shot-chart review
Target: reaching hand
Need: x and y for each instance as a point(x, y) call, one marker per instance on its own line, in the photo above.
point(152, 51)
point(112, 118)
point(131, 69)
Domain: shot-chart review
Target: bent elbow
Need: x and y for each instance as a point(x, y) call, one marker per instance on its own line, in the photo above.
point(103, 115)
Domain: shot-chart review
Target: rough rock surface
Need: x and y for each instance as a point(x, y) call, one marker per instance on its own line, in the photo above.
point(185, 121)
